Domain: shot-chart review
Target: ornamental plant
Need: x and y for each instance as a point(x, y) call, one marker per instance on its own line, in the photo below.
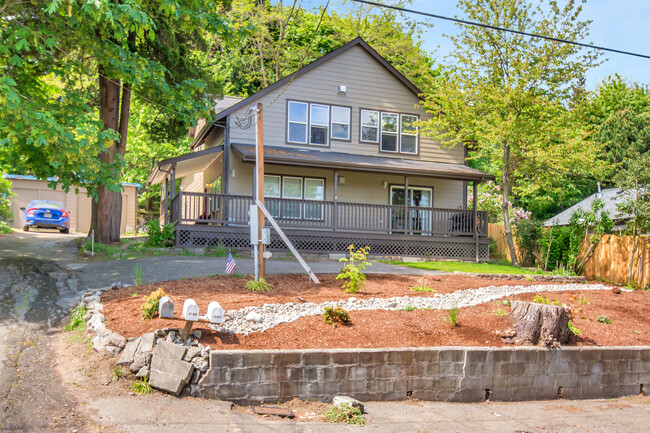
point(336, 314)
point(150, 306)
point(352, 272)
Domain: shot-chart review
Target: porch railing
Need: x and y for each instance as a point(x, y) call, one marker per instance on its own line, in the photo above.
point(221, 209)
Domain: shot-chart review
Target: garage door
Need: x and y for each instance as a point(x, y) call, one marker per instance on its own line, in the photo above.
point(21, 199)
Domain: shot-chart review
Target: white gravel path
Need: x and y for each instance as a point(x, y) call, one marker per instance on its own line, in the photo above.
point(257, 319)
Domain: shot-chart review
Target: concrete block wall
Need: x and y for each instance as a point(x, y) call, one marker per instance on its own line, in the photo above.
point(455, 374)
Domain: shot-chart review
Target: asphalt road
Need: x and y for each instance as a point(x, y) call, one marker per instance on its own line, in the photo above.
point(41, 277)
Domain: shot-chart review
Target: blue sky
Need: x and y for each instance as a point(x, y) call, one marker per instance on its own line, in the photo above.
point(618, 24)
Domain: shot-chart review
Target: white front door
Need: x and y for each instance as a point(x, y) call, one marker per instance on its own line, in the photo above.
point(419, 201)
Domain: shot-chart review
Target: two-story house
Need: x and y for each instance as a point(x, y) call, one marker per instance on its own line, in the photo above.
point(344, 163)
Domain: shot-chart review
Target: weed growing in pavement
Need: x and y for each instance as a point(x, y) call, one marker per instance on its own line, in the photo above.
point(453, 315)
point(604, 319)
point(141, 386)
point(259, 286)
point(77, 318)
point(137, 269)
point(150, 306)
point(352, 272)
point(334, 315)
point(573, 329)
point(345, 413)
point(423, 286)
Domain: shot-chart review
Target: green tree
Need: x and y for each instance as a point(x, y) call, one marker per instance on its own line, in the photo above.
point(634, 182)
point(506, 97)
point(70, 71)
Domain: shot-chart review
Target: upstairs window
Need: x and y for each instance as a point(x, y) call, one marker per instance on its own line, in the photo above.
point(319, 120)
point(388, 141)
point(297, 118)
point(340, 123)
point(408, 140)
point(369, 126)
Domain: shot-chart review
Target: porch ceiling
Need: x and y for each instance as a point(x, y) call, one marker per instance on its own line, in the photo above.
point(185, 164)
point(316, 158)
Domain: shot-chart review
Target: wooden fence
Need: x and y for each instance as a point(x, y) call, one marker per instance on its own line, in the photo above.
point(609, 262)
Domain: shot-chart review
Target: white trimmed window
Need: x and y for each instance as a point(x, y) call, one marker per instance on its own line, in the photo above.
point(369, 126)
point(297, 122)
point(340, 123)
point(388, 138)
point(319, 121)
point(408, 139)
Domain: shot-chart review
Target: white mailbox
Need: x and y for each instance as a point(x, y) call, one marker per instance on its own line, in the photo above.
point(166, 308)
point(215, 312)
point(190, 310)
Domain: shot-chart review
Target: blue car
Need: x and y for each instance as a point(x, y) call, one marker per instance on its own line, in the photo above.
point(46, 214)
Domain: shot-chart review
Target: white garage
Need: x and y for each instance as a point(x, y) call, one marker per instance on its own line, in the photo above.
point(28, 188)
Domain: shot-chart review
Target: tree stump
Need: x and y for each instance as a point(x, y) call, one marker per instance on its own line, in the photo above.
point(543, 324)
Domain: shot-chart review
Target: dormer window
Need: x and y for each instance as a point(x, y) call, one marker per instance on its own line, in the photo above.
point(319, 121)
point(394, 132)
point(297, 117)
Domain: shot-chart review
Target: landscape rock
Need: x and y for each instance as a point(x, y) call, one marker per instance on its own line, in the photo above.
point(140, 360)
point(108, 338)
point(129, 352)
point(95, 321)
point(201, 364)
point(192, 353)
point(343, 399)
point(197, 333)
point(254, 316)
point(143, 372)
point(147, 342)
point(195, 377)
point(112, 350)
point(167, 374)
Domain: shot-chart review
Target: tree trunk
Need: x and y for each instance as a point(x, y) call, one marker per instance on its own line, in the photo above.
point(542, 324)
point(505, 189)
point(114, 113)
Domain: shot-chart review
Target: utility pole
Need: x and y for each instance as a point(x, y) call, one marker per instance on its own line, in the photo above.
point(259, 162)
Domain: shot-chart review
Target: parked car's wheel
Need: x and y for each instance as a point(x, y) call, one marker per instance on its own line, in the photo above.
point(66, 231)
point(25, 228)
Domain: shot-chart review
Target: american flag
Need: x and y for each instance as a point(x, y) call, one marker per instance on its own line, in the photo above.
point(230, 264)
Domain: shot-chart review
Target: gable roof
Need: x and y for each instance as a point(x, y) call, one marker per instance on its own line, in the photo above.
point(358, 41)
point(610, 197)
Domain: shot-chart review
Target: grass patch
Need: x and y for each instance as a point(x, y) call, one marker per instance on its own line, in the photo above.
point(77, 318)
point(423, 285)
point(453, 315)
point(479, 268)
point(346, 414)
point(141, 386)
point(118, 373)
point(259, 286)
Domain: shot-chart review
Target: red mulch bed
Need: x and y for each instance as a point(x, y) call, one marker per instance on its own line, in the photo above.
point(376, 328)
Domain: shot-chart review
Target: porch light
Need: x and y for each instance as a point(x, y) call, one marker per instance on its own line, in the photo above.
point(232, 173)
point(342, 89)
point(341, 180)
point(385, 184)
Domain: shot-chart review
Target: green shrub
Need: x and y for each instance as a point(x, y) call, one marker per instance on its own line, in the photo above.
point(542, 300)
point(77, 318)
point(335, 315)
point(259, 286)
point(345, 413)
point(4, 228)
point(352, 272)
point(150, 306)
point(160, 237)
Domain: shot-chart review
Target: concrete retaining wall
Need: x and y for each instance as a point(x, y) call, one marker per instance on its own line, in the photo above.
point(439, 374)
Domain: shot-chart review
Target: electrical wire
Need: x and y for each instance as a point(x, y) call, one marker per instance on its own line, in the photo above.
point(503, 29)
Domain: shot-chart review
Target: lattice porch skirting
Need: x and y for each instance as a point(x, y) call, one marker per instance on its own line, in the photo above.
point(311, 241)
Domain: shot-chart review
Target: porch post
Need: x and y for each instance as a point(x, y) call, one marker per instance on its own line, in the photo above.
point(474, 198)
point(335, 214)
point(407, 219)
point(172, 193)
point(166, 198)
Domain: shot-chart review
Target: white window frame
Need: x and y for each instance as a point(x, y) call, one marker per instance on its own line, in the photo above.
point(279, 178)
point(381, 131)
point(306, 123)
point(361, 126)
point(401, 133)
point(326, 125)
point(332, 122)
point(302, 193)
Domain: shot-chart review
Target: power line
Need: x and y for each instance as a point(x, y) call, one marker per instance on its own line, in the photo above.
point(503, 29)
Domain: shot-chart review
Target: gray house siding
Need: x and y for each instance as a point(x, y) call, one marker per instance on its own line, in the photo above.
point(369, 85)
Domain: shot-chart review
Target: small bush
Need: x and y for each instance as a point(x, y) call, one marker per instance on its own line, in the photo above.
point(77, 318)
point(150, 306)
point(4, 228)
point(335, 315)
point(542, 300)
point(409, 308)
point(423, 286)
point(453, 315)
point(141, 386)
point(259, 286)
point(345, 413)
point(160, 237)
point(604, 319)
point(352, 272)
